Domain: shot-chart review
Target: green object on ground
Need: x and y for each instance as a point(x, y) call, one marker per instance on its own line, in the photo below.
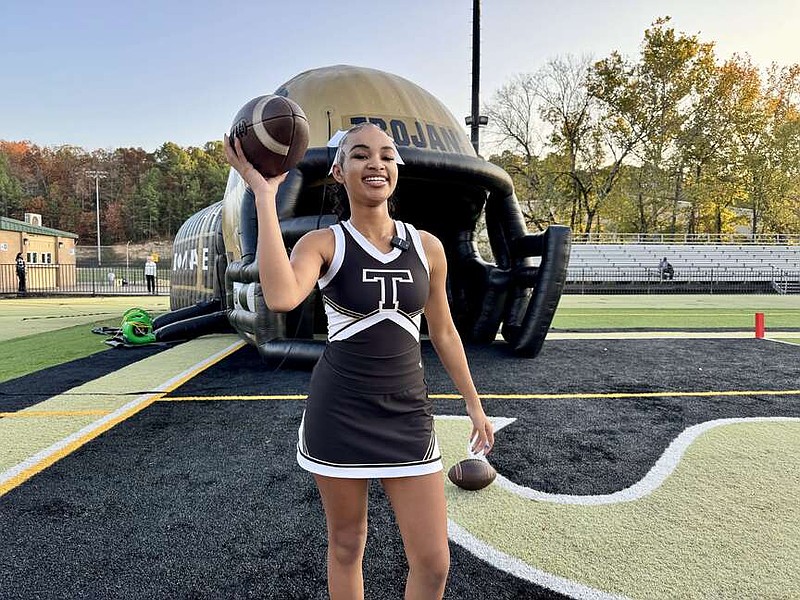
point(137, 327)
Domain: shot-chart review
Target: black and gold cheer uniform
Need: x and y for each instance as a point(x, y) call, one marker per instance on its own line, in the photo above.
point(368, 414)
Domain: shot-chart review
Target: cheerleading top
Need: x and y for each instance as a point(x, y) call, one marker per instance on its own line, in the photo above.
point(368, 414)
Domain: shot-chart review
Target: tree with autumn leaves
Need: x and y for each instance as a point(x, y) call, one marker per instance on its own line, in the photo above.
point(144, 196)
point(670, 142)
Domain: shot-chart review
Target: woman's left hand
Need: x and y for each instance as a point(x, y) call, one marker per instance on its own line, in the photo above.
point(245, 168)
point(482, 437)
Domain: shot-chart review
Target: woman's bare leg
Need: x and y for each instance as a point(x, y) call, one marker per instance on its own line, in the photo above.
point(345, 504)
point(421, 512)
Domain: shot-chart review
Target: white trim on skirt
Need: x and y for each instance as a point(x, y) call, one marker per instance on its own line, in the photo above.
point(369, 471)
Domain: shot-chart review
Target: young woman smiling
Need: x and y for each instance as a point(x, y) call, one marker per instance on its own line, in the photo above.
point(368, 415)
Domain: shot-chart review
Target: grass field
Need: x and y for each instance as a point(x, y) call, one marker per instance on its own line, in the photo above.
point(31, 353)
point(689, 312)
point(42, 332)
point(100, 480)
point(26, 316)
point(37, 333)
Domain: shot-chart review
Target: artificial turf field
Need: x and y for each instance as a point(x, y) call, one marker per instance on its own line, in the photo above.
point(649, 467)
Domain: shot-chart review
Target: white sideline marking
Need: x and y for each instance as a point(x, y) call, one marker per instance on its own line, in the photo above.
point(787, 342)
point(654, 478)
point(653, 335)
point(650, 482)
point(521, 569)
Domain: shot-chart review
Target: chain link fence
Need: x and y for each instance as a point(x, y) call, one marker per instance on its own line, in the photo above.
point(126, 280)
point(98, 271)
point(53, 280)
point(128, 255)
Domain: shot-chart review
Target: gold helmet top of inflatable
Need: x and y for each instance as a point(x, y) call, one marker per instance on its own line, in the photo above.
point(341, 96)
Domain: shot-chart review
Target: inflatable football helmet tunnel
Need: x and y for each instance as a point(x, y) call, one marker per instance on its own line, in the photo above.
point(444, 187)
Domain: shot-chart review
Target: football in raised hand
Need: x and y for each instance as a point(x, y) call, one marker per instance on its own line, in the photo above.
point(273, 131)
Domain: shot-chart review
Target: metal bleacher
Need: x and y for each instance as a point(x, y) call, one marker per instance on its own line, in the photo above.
point(773, 266)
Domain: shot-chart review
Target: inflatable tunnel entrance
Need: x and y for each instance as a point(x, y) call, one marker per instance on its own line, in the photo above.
point(443, 188)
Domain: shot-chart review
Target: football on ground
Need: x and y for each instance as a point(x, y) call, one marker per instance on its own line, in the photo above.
point(472, 474)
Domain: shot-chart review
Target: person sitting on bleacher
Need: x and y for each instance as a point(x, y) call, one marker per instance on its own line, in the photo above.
point(666, 270)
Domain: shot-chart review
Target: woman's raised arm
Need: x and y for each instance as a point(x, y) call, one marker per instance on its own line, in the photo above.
point(285, 282)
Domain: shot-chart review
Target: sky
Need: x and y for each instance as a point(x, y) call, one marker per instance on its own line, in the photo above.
point(139, 73)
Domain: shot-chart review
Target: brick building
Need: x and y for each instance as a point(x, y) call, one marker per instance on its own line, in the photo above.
point(49, 253)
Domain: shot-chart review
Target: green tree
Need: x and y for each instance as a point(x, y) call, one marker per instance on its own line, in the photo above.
point(150, 203)
point(645, 105)
point(765, 128)
point(176, 165)
point(127, 167)
point(567, 108)
point(706, 152)
point(10, 189)
point(142, 195)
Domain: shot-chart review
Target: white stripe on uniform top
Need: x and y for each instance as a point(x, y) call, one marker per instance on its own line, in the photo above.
point(414, 234)
point(338, 256)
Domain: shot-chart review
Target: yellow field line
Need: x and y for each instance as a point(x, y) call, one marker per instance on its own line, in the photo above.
point(53, 413)
point(200, 398)
point(54, 457)
point(674, 313)
point(709, 393)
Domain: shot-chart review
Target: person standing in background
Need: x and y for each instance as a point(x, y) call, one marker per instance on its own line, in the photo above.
point(665, 269)
point(150, 275)
point(22, 288)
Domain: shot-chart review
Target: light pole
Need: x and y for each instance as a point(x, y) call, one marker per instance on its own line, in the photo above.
point(97, 175)
point(474, 120)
